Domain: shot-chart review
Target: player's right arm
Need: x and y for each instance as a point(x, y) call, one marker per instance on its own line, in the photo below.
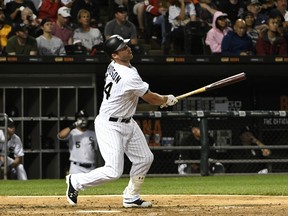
point(64, 133)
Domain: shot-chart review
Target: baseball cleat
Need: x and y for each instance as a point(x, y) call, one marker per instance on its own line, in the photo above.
point(71, 193)
point(139, 203)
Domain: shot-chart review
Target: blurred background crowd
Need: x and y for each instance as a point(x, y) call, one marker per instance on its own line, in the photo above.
point(171, 27)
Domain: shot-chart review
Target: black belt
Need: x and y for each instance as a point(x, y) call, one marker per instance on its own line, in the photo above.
point(85, 165)
point(127, 120)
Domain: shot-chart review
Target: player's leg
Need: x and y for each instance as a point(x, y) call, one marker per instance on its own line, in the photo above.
point(141, 157)
point(74, 168)
point(21, 173)
point(12, 173)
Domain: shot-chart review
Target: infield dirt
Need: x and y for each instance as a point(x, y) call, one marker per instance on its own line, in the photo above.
point(162, 205)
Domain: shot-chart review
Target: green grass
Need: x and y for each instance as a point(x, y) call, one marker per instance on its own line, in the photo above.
point(232, 185)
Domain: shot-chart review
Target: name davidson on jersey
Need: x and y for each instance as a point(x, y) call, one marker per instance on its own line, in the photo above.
point(113, 74)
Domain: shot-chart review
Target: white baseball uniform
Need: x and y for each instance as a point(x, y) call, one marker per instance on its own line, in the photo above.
point(15, 149)
point(82, 149)
point(117, 133)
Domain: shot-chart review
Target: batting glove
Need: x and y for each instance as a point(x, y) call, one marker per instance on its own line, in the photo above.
point(76, 124)
point(171, 100)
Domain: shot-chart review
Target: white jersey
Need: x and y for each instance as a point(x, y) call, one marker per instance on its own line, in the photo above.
point(14, 145)
point(51, 47)
point(82, 146)
point(123, 87)
point(88, 39)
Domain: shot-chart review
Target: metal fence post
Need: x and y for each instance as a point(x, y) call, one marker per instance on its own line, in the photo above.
point(204, 165)
point(4, 145)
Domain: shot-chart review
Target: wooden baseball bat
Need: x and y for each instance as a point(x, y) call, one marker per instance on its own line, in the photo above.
point(224, 82)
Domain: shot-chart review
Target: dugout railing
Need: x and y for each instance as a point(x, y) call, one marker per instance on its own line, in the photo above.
point(271, 127)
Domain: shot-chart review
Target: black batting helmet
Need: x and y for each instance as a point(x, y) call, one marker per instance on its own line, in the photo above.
point(10, 123)
point(113, 44)
point(81, 114)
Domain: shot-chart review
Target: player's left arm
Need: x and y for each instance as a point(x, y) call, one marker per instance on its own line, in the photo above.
point(154, 98)
point(157, 99)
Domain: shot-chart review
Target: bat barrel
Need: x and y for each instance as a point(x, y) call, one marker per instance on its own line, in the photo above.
point(221, 83)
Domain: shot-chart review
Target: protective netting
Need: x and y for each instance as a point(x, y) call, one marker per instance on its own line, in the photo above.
point(239, 142)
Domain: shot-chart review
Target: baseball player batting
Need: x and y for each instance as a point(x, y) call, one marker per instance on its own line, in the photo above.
point(116, 131)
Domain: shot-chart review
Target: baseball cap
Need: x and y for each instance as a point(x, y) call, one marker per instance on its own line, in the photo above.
point(64, 11)
point(45, 20)
point(121, 9)
point(253, 2)
point(113, 44)
point(20, 27)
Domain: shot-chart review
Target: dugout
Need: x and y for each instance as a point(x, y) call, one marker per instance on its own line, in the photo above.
point(46, 92)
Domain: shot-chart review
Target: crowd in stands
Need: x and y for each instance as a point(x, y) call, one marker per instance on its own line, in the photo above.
point(180, 27)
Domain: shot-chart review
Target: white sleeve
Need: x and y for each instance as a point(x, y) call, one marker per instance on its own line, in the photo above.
point(2, 137)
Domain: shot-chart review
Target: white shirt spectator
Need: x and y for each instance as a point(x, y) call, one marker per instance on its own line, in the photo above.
point(51, 47)
point(88, 39)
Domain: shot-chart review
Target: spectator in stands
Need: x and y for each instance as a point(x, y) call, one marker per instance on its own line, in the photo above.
point(237, 42)
point(267, 6)
point(282, 28)
point(89, 36)
point(14, 8)
point(233, 8)
point(139, 11)
point(49, 9)
point(15, 152)
point(5, 31)
point(254, 6)
point(120, 25)
point(281, 5)
point(247, 138)
point(181, 12)
point(112, 4)
point(251, 30)
point(155, 20)
point(194, 139)
point(92, 6)
point(21, 43)
point(31, 22)
point(271, 41)
point(48, 44)
point(219, 29)
point(205, 10)
point(61, 29)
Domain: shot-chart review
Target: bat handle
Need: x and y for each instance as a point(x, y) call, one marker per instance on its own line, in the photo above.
point(197, 91)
